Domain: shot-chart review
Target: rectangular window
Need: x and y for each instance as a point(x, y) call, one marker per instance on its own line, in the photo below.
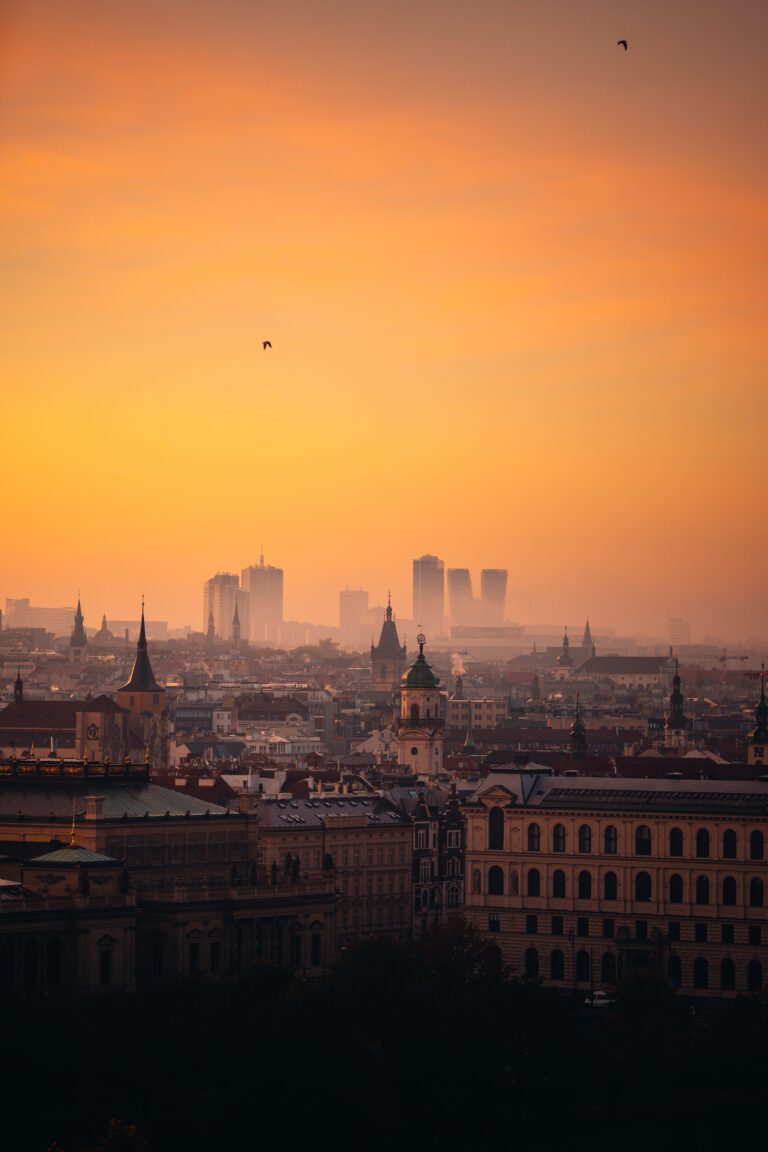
point(421, 838)
point(494, 924)
point(215, 957)
point(754, 935)
point(356, 857)
point(345, 857)
point(641, 929)
point(582, 926)
point(726, 933)
point(315, 950)
point(673, 930)
point(557, 926)
point(609, 929)
point(700, 933)
point(194, 958)
point(454, 838)
point(402, 854)
point(532, 925)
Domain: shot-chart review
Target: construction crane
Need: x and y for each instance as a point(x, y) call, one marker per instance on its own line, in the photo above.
point(726, 656)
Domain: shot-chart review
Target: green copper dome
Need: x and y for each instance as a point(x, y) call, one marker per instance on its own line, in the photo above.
point(420, 674)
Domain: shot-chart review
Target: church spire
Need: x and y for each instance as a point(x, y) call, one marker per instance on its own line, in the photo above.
point(18, 688)
point(142, 678)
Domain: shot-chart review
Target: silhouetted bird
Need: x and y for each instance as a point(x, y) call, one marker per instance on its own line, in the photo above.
point(622, 42)
point(266, 344)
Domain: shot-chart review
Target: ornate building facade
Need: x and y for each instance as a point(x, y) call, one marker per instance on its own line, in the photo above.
point(582, 880)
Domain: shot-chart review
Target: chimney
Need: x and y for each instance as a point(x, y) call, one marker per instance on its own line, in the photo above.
point(94, 807)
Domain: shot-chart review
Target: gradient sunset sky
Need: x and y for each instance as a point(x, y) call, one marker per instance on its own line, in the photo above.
point(514, 277)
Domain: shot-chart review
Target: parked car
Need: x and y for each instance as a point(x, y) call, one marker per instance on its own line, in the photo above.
point(599, 1000)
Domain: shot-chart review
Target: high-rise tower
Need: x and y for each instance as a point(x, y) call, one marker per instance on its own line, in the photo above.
point(264, 585)
point(493, 595)
point(429, 592)
point(460, 598)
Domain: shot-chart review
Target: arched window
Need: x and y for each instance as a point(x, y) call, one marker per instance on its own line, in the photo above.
point(702, 843)
point(700, 973)
point(477, 884)
point(531, 964)
point(415, 713)
point(453, 896)
point(756, 846)
point(675, 889)
point(534, 882)
point(584, 890)
point(755, 976)
point(585, 838)
point(642, 840)
point(642, 886)
point(496, 828)
point(610, 886)
point(608, 968)
point(495, 881)
point(729, 890)
point(610, 840)
point(557, 965)
point(727, 975)
point(582, 965)
point(702, 890)
point(534, 838)
point(755, 892)
point(675, 841)
point(675, 971)
point(558, 884)
point(730, 844)
point(558, 838)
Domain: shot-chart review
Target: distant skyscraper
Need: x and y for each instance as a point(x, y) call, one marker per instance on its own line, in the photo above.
point(219, 599)
point(264, 586)
point(679, 631)
point(493, 594)
point(353, 607)
point(429, 593)
point(460, 599)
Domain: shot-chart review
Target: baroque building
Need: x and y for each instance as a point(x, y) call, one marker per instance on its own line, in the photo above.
point(420, 731)
point(582, 880)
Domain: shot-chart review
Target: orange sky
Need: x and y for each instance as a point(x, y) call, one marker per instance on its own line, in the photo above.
point(514, 278)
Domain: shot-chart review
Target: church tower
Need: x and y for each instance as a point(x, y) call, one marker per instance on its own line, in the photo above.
point(387, 657)
point(142, 694)
point(420, 730)
point(565, 660)
point(18, 688)
point(676, 723)
point(578, 733)
point(78, 640)
point(234, 640)
point(757, 741)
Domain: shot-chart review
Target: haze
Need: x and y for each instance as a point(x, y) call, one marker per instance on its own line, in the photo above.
point(513, 277)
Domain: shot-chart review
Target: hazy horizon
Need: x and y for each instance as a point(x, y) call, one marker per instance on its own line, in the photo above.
point(513, 277)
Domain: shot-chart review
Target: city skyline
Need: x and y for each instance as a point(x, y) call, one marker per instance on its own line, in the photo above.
point(517, 272)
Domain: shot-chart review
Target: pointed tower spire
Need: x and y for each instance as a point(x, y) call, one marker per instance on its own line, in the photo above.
point(18, 688)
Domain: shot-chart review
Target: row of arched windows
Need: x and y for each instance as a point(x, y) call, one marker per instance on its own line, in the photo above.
point(643, 888)
point(701, 975)
point(643, 839)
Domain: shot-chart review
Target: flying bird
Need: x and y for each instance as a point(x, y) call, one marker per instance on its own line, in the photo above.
point(266, 344)
point(622, 42)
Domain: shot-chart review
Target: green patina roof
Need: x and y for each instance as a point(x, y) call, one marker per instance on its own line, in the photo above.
point(420, 675)
point(73, 856)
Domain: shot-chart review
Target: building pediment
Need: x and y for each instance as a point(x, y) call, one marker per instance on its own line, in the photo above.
point(498, 795)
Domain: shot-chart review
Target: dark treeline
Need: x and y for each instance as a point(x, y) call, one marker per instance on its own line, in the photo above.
point(429, 1047)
